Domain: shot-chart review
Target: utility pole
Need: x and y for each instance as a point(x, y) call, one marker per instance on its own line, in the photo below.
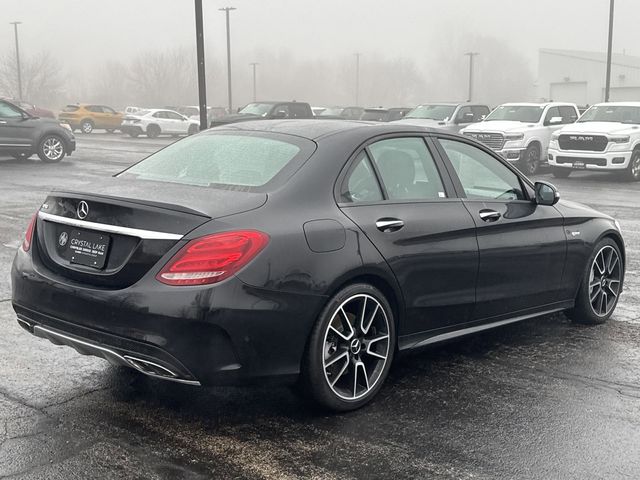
point(202, 84)
point(226, 10)
point(15, 30)
point(357, 78)
point(471, 55)
point(253, 65)
point(607, 87)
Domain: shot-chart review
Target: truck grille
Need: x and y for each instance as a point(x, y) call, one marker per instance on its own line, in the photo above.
point(494, 141)
point(588, 143)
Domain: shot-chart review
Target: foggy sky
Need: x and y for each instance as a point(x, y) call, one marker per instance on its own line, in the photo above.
point(86, 33)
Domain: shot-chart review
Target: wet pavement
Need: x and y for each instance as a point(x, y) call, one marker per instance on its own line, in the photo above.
point(540, 399)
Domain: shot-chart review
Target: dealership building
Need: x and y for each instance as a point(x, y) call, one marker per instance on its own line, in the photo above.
point(579, 77)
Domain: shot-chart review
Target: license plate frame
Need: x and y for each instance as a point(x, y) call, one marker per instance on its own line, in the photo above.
point(87, 248)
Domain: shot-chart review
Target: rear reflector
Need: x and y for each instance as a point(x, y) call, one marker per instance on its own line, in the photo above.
point(212, 258)
point(28, 237)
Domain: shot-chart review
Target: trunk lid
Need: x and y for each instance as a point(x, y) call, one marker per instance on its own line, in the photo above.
point(114, 235)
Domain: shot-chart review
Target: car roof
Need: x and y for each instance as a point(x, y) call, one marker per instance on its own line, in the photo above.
point(534, 104)
point(315, 129)
point(618, 104)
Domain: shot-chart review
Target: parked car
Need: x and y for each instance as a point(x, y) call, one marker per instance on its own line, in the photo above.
point(346, 113)
point(130, 110)
point(31, 109)
point(88, 117)
point(384, 114)
point(520, 132)
point(22, 135)
point(449, 117)
point(193, 112)
point(267, 110)
point(276, 251)
point(606, 138)
point(156, 122)
point(318, 110)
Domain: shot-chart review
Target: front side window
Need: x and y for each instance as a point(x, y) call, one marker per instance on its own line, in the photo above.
point(9, 111)
point(108, 110)
point(361, 184)
point(553, 112)
point(221, 159)
point(94, 108)
point(407, 169)
point(482, 176)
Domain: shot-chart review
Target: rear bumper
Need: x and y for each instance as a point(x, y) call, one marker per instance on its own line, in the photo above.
point(230, 333)
point(131, 129)
point(605, 161)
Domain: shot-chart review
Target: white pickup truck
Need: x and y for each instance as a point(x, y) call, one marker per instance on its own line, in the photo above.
point(606, 138)
point(521, 132)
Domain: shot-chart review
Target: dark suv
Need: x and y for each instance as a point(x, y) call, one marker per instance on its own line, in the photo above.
point(267, 111)
point(22, 135)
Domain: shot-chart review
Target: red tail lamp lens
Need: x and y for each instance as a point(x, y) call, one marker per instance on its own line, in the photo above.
point(28, 237)
point(213, 258)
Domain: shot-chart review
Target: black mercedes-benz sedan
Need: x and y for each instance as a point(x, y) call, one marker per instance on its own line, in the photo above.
point(307, 251)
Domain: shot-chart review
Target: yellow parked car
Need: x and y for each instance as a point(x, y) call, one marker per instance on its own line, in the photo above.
point(88, 117)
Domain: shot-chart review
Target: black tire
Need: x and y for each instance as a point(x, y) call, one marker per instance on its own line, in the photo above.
point(354, 354)
point(153, 131)
point(193, 129)
point(587, 301)
point(560, 172)
point(530, 160)
point(51, 149)
point(134, 134)
point(110, 130)
point(87, 126)
point(632, 173)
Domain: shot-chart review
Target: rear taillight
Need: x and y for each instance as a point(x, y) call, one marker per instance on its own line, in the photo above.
point(212, 258)
point(28, 237)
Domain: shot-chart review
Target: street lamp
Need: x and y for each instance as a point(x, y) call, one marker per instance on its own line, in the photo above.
point(357, 78)
point(202, 85)
point(254, 65)
point(607, 87)
point(226, 10)
point(15, 29)
point(471, 55)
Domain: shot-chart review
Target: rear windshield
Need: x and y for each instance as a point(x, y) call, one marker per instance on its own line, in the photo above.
point(70, 108)
point(224, 159)
point(374, 115)
point(612, 113)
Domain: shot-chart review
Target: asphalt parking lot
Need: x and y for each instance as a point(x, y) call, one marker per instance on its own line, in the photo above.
point(541, 399)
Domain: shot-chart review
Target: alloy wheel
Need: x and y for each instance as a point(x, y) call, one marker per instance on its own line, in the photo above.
point(635, 166)
point(53, 148)
point(604, 281)
point(86, 127)
point(356, 347)
point(531, 161)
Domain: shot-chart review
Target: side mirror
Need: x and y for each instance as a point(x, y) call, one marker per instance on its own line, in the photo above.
point(546, 194)
point(555, 121)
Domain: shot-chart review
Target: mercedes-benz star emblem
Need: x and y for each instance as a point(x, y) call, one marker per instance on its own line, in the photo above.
point(62, 239)
point(82, 210)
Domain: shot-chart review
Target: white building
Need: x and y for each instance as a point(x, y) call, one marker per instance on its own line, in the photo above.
point(580, 77)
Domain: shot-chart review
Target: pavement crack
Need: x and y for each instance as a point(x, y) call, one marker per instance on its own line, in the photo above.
point(74, 397)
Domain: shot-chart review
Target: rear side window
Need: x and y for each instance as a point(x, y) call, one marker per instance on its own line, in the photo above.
point(407, 169)
point(361, 184)
point(70, 108)
point(298, 111)
point(94, 108)
point(221, 159)
point(479, 112)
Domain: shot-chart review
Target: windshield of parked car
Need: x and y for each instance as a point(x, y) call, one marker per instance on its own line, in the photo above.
point(612, 113)
point(516, 113)
point(260, 109)
point(432, 112)
point(333, 112)
point(246, 160)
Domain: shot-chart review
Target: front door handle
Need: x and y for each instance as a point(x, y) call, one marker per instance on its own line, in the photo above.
point(389, 224)
point(489, 215)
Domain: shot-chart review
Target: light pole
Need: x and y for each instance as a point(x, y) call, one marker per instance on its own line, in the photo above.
point(471, 55)
point(254, 65)
point(15, 29)
point(202, 84)
point(607, 87)
point(357, 78)
point(226, 10)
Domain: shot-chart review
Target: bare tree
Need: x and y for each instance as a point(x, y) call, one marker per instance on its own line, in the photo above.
point(42, 81)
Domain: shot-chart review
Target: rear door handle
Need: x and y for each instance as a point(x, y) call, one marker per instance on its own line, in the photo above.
point(489, 215)
point(389, 224)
